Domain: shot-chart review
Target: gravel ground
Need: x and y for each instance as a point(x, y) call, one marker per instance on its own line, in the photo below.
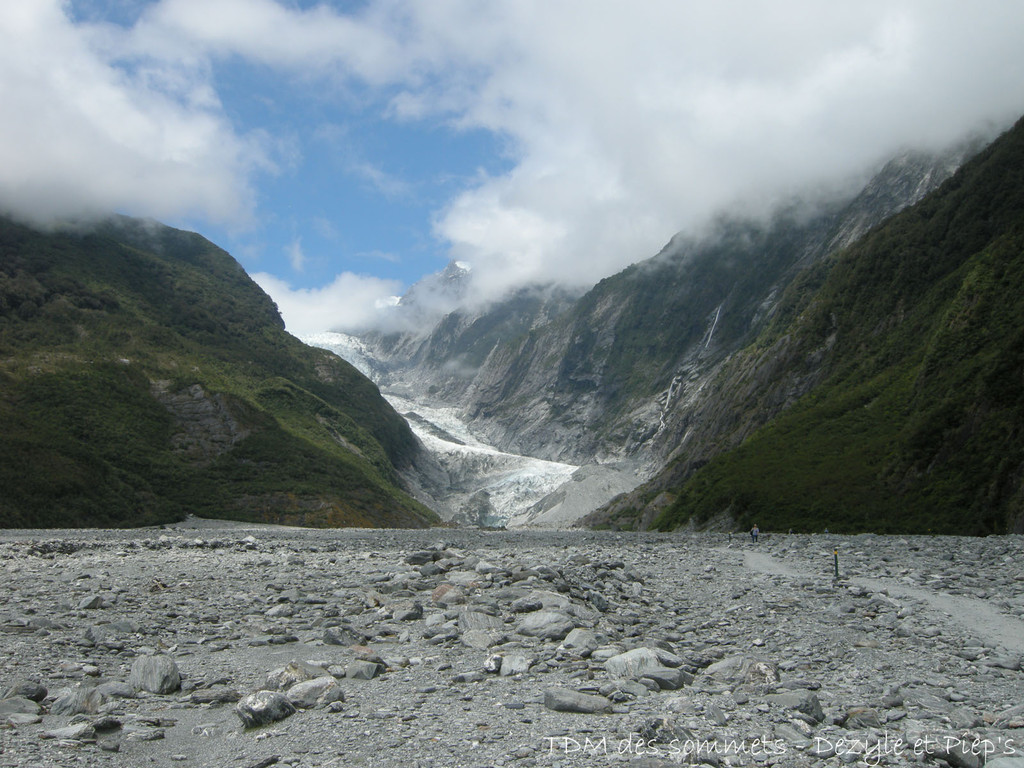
point(507, 648)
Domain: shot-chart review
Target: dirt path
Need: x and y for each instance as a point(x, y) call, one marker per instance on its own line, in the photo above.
point(976, 617)
point(762, 563)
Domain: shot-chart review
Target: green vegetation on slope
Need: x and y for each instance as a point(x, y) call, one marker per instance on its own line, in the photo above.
point(144, 376)
point(919, 424)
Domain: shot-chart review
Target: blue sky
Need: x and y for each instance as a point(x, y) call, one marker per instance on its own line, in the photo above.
point(340, 151)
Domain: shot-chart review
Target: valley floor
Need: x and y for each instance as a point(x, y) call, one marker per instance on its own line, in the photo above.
point(508, 648)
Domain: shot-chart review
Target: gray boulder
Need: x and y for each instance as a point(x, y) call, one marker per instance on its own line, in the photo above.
point(668, 678)
point(801, 701)
point(546, 624)
point(515, 664)
point(637, 662)
point(478, 620)
point(316, 693)
point(362, 670)
point(156, 674)
point(565, 700)
point(283, 678)
point(19, 705)
point(263, 707)
point(28, 689)
point(582, 641)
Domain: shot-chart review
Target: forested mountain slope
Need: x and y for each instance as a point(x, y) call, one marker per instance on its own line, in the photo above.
point(887, 392)
point(144, 376)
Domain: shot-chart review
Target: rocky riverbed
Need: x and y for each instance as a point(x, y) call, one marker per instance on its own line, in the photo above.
point(211, 644)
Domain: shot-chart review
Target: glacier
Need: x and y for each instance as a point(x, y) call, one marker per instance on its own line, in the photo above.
point(483, 485)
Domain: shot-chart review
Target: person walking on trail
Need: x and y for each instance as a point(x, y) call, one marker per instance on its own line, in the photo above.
point(754, 533)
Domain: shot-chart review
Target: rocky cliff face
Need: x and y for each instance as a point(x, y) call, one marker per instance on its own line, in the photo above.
point(441, 347)
point(206, 427)
point(627, 371)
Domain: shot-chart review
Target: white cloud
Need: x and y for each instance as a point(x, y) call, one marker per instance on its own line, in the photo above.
point(296, 256)
point(380, 180)
point(319, 38)
point(84, 135)
point(351, 302)
point(632, 123)
point(624, 122)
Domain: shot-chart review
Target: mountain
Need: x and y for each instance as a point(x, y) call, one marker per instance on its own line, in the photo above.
point(144, 376)
point(616, 379)
point(886, 393)
point(609, 378)
point(444, 336)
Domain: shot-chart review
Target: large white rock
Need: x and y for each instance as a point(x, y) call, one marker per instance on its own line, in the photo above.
point(639, 660)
